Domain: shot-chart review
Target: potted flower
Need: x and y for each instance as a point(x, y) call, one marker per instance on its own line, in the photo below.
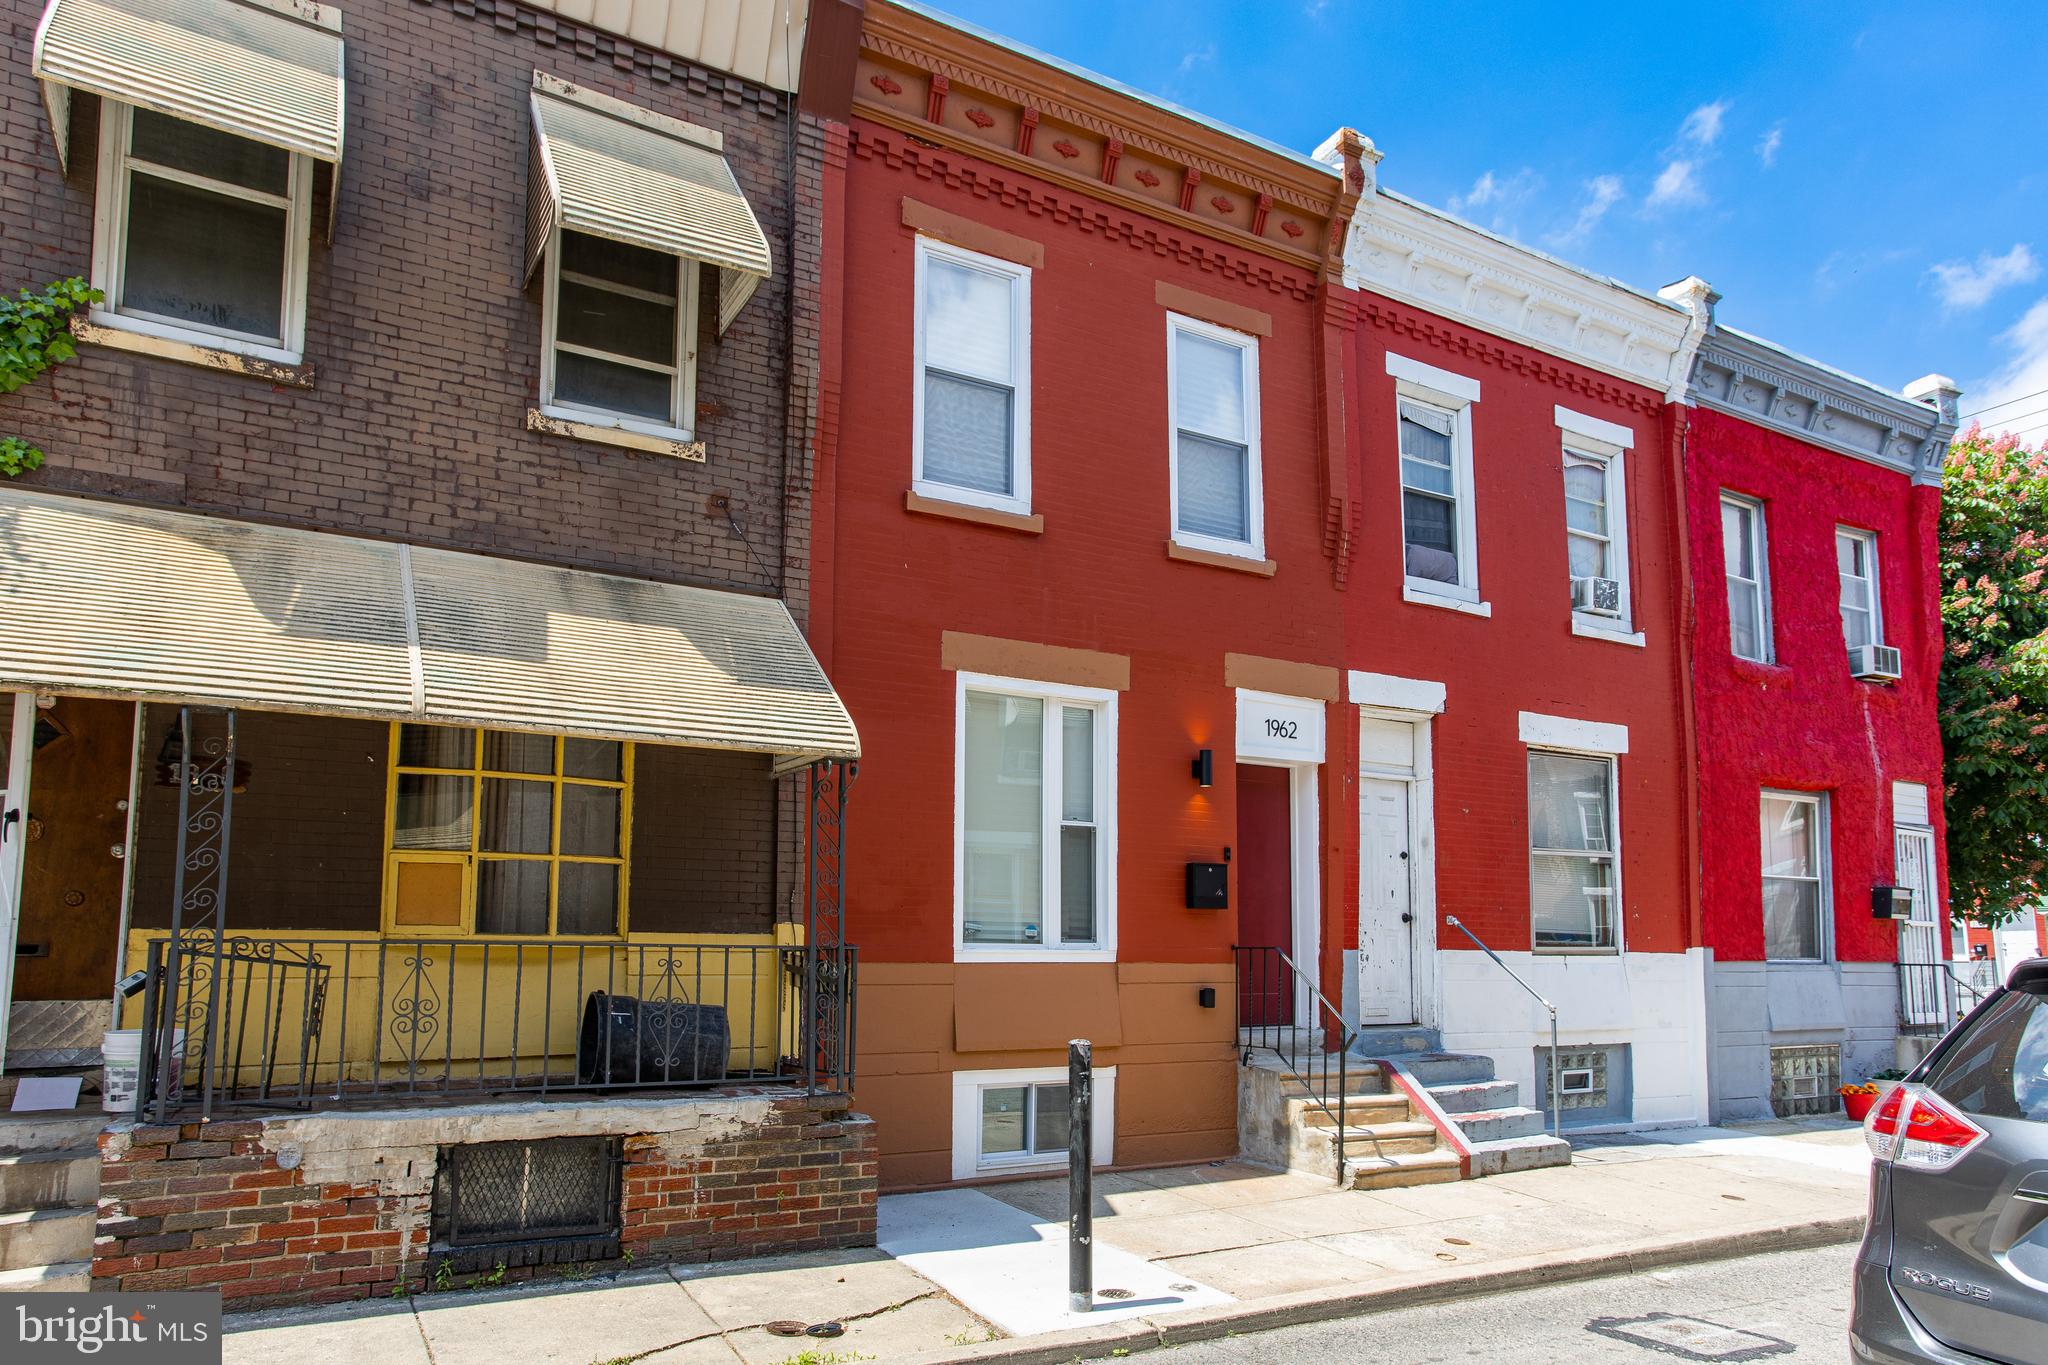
point(1857, 1099)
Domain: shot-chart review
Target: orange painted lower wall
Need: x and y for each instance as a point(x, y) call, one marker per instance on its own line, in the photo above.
point(1176, 1077)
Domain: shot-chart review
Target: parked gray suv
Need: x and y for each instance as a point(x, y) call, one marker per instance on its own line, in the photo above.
point(1954, 1267)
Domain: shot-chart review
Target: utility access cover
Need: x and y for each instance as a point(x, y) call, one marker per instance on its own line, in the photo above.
point(1689, 1338)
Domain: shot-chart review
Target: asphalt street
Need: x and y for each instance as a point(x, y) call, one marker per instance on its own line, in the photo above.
point(1791, 1305)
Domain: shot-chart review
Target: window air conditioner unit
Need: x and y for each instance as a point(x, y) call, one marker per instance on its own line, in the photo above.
point(1601, 596)
point(1877, 662)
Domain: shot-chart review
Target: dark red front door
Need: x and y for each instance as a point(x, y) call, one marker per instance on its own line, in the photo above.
point(1265, 893)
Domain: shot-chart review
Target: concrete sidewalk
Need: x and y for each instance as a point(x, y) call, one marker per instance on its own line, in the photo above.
point(1254, 1248)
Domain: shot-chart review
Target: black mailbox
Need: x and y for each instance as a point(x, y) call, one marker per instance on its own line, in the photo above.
point(1208, 886)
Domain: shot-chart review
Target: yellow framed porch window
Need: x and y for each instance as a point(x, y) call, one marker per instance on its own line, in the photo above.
point(506, 833)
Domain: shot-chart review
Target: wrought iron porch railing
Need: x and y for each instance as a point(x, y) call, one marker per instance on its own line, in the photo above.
point(1270, 988)
point(1933, 995)
point(311, 1023)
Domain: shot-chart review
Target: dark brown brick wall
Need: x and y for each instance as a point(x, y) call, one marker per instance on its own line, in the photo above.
point(424, 342)
point(703, 848)
point(306, 849)
point(210, 1206)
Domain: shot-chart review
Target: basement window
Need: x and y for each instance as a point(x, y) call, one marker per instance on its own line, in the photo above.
point(528, 1203)
point(1017, 1120)
point(1804, 1080)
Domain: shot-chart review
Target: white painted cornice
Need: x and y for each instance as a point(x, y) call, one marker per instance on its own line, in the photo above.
point(1400, 249)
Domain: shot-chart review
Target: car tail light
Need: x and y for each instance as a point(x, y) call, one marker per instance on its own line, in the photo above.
point(1913, 1126)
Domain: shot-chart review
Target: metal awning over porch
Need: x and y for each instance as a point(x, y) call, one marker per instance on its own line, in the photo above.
point(112, 600)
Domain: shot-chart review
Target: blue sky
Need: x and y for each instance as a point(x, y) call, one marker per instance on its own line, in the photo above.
point(1864, 183)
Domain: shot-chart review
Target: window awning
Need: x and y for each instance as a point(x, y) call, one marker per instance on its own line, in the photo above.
point(121, 601)
point(611, 169)
point(266, 70)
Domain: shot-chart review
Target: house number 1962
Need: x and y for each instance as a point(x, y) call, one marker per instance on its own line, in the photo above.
point(1282, 729)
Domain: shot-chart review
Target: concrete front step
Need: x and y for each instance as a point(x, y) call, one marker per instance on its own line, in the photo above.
point(67, 1178)
point(1519, 1154)
point(1389, 1172)
point(66, 1277)
point(1387, 1139)
point(51, 1132)
point(39, 1237)
point(1471, 1097)
point(1445, 1068)
point(1493, 1125)
point(1381, 1040)
point(1358, 1110)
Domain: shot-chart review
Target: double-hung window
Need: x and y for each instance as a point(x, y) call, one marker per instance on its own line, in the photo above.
point(1439, 532)
point(1213, 392)
point(1596, 521)
point(1794, 827)
point(1035, 820)
point(505, 832)
point(1749, 586)
point(972, 435)
point(1574, 882)
point(1856, 566)
point(620, 323)
point(200, 235)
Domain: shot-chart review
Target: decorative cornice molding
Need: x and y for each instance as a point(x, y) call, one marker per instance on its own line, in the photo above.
point(956, 88)
point(1406, 252)
point(1083, 213)
point(1428, 330)
point(1749, 378)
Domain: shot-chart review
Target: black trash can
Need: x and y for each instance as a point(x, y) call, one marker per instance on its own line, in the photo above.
point(626, 1041)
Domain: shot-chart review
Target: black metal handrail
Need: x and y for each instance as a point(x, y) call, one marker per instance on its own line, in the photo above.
point(306, 1023)
point(1556, 1105)
point(1932, 996)
point(1267, 976)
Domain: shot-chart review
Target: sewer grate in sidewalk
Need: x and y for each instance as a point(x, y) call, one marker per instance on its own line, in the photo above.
point(1689, 1338)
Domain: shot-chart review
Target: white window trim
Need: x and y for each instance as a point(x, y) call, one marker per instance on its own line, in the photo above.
point(1453, 395)
point(1104, 700)
point(1611, 757)
point(967, 1088)
point(110, 240)
point(1247, 347)
point(1598, 738)
point(1613, 460)
point(1392, 692)
point(1823, 855)
point(1594, 428)
point(683, 413)
point(1765, 632)
point(1019, 276)
point(1868, 539)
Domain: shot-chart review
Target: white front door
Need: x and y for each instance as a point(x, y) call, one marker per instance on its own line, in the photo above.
point(1386, 920)
point(1920, 937)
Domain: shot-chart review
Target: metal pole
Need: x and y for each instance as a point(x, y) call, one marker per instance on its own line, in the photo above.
point(1080, 1176)
point(1556, 1125)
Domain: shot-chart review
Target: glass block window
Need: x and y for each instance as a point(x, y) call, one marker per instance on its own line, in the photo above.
point(1803, 1080)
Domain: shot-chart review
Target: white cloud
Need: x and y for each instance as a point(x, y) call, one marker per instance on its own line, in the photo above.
point(1702, 126)
point(1603, 192)
point(1963, 284)
point(2012, 396)
point(1497, 192)
point(1676, 185)
point(1767, 146)
point(1205, 55)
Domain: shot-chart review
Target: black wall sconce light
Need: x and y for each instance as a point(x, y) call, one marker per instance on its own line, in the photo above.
point(1205, 767)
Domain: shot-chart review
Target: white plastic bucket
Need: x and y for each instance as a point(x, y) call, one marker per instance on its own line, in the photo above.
point(121, 1056)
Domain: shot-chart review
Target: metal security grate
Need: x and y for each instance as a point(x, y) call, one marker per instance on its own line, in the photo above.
point(556, 1199)
point(1803, 1080)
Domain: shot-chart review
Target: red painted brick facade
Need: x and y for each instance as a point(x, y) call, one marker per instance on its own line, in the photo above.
point(222, 1206)
point(1803, 723)
point(1524, 657)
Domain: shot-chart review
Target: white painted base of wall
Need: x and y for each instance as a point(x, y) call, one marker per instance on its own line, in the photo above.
point(1654, 1002)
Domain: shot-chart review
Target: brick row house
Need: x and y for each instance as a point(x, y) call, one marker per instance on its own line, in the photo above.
point(1271, 608)
point(402, 680)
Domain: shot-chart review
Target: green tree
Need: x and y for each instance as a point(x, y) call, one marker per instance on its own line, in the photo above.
point(35, 333)
point(1994, 673)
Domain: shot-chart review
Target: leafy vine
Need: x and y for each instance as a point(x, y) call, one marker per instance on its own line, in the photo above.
point(35, 333)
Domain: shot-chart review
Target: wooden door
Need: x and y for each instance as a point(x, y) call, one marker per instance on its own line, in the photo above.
point(73, 855)
point(1386, 919)
point(1265, 891)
